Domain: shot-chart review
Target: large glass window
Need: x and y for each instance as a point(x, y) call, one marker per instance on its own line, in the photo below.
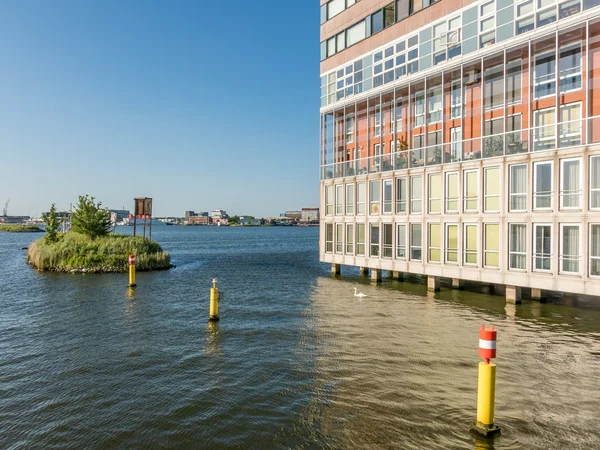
point(435, 242)
point(452, 192)
point(595, 250)
point(544, 136)
point(334, 7)
point(387, 196)
point(415, 241)
point(455, 144)
point(329, 237)
point(360, 199)
point(492, 190)
point(350, 199)
point(470, 191)
point(434, 98)
point(388, 236)
point(491, 251)
point(517, 254)
point(569, 130)
point(416, 194)
point(419, 109)
point(470, 244)
point(542, 246)
point(329, 200)
point(356, 33)
point(435, 193)
point(542, 194)
point(493, 87)
point(545, 75)
point(518, 187)
point(360, 239)
point(513, 82)
point(401, 241)
point(349, 238)
point(451, 243)
point(595, 182)
point(349, 129)
point(374, 239)
point(570, 183)
point(339, 238)
point(374, 197)
point(339, 199)
point(400, 195)
point(377, 129)
point(570, 248)
point(456, 100)
point(570, 68)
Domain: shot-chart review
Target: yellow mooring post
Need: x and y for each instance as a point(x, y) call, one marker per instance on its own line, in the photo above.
point(131, 270)
point(214, 301)
point(486, 385)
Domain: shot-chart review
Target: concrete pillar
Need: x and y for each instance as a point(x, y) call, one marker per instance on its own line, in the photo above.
point(376, 275)
point(433, 283)
point(336, 269)
point(513, 294)
point(396, 275)
point(536, 294)
point(457, 283)
point(390, 274)
point(364, 271)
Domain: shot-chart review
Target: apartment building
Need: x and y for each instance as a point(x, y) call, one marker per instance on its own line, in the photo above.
point(461, 139)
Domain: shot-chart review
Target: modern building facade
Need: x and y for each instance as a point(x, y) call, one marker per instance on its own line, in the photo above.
point(461, 139)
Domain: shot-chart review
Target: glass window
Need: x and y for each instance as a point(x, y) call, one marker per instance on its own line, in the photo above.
point(387, 196)
point(349, 238)
point(518, 187)
point(331, 47)
point(470, 255)
point(339, 238)
point(493, 87)
point(569, 130)
point(339, 199)
point(545, 73)
point(542, 194)
point(334, 7)
point(349, 129)
point(517, 254)
point(374, 239)
point(415, 241)
point(400, 195)
point(455, 144)
point(570, 184)
point(374, 197)
point(456, 100)
point(377, 22)
point(546, 17)
point(542, 246)
point(419, 109)
point(328, 200)
point(356, 33)
point(323, 14)
point(435, 193)
point(470, 191)
point(329, 238)
point(487, 8)
point(401, 241)
point(570, 68)
point(350, 199)
point(491, 251)
point(388, 236)
point(570, 251)
point(388, 15)
point(360, 199)
point(360, 239)
point(435, 244)
point(595, 250)
point(452, 192)
point(595, 182)
point(513, 82)
point(416, 194)
point(341, 41)
point(452, 243)
point(544, 135)
point(434, 98)
point(492, 189)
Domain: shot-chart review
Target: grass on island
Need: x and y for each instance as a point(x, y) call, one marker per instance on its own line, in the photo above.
point(74, 252)
point(20, 228)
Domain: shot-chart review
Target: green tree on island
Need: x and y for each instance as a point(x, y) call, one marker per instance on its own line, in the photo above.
point(52, 224)
point(234, 220)
point(90, 218)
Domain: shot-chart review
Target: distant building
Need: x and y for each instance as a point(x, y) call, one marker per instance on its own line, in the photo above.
point(219, 213)
point(294, 215)
point(310, 214)
point(198, 220)
point(119, 214)
point(189, 214)
point(249, 220)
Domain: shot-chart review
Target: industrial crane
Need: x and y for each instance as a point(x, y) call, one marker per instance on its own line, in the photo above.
point(5, 211)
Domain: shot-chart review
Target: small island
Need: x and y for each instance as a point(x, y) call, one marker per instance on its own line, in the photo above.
point(90, 246)
point(20, 228)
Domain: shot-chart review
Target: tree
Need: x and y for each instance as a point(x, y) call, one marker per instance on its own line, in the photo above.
point(234, 220)
point(90, 218)
point(52, 224)
point(263, 221)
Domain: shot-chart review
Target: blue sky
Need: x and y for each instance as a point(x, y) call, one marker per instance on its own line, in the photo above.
point(200, 105)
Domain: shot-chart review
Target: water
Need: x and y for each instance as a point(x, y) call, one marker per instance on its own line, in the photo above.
point(295, 362)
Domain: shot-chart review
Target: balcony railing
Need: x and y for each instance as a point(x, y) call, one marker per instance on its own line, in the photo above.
point(542, 138)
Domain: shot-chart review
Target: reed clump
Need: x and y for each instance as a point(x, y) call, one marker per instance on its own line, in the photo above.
point(20, 228)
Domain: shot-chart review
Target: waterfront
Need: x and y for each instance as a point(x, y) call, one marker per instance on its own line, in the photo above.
point(296, 360)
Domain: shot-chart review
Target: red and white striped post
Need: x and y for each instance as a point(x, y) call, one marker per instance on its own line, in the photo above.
point(487, 343)
point(486, 384)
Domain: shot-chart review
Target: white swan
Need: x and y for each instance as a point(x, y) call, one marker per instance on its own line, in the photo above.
point(359, 294)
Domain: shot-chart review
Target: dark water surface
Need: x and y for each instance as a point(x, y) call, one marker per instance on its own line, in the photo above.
point(295, 362)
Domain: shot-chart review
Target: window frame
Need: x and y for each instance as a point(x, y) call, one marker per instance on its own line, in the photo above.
point(485, 250)
point(389, 202)
point(561, 180)
point(339, 199)
point(329, 242)
point(349, 199)
point(511, 252)
point(329, 200)
point(560, 248)
point(465, 251)
point(550, 194)
point(534, 255)
point(339, 238)
point(441, 193)
point(360, 203)
point(485, 190)
point(399, 244)
point(414, 200)
point(448, 249)
point(447, 190)
point(590, 257)
point(592, 189)
point(430, 247)
point(467, 198)
point(414, 247)
point(360, 247)
point(374, 197)
point(512, 194)
point(374, 244)
point(398, 195)
point(387, 250)
point(349, 242)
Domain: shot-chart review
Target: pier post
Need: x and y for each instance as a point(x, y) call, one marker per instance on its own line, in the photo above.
point(132, 270)
point(457, 283)
point(336, 269)
point(433, 283)
point(364, 271)
point(376, 275)
point(536, 294)
point(513, 294)
point(214, 302)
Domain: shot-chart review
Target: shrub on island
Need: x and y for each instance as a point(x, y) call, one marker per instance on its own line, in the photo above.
point(20, 228)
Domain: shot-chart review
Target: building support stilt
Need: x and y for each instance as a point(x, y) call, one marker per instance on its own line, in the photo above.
point(376, 275)
point(513, 294)
point(433, 283)
point(336, 269)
